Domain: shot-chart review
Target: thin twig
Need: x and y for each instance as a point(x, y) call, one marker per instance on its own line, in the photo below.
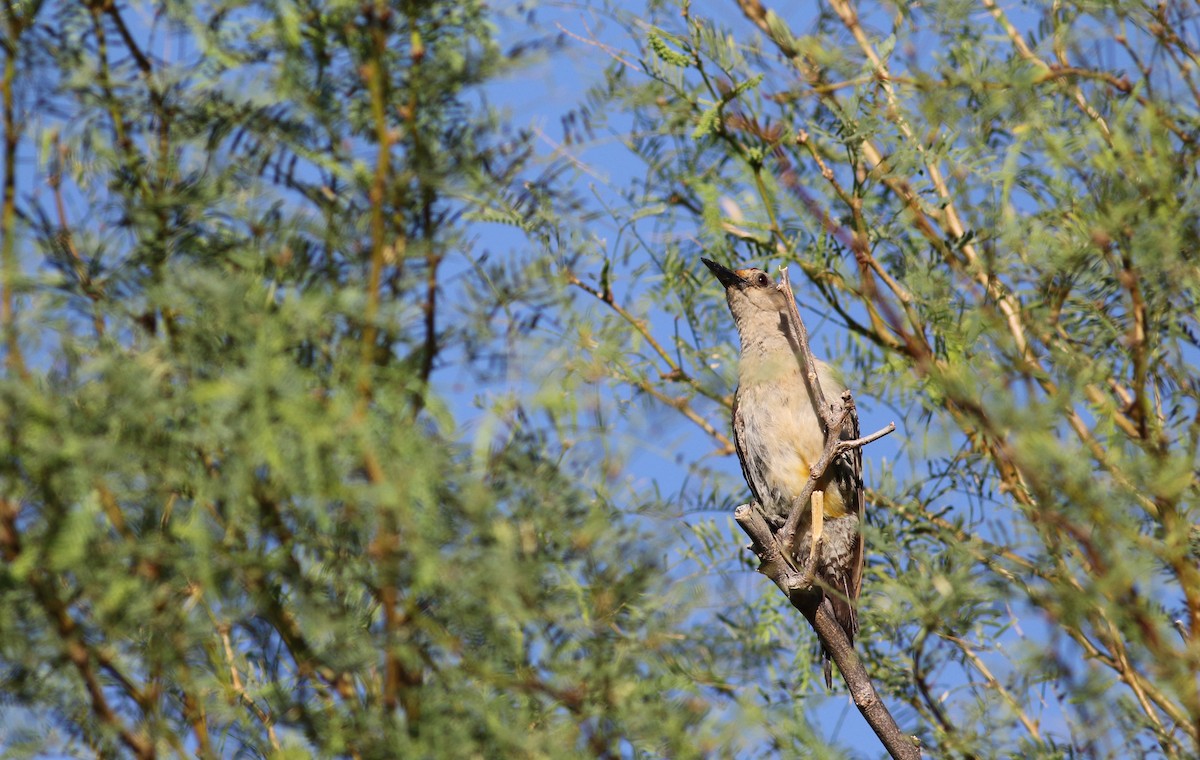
point(74, 642)
point(924, 215)
point(856, 443)
point(263, 716)
point(8, 208)
point(834, 421)
point(995, 685)
point(989, 555)
point(1049, 72)
point(612, 52)
point(90, 289)
point(809, 367)
point(675, 373)
point(675, 370)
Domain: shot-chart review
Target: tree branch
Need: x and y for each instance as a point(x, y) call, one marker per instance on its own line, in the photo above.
point(74, 642)
point(836, 421)
point(775, 565)
point(9, 259)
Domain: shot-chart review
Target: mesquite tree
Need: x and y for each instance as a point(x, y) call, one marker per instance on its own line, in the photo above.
point(341, 410)
point(995, 212)
point(249, 307)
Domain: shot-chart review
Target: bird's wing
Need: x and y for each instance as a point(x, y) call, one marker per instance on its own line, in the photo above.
point(739, 433)
point(851, 482)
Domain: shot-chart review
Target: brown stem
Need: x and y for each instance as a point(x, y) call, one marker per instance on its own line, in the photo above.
point(774, 564)
point(835, 421)
point(86, 284)
point(375, 74)
point(157, 97)
point(74, 643)
point(264, 717)
point(675, 371)
point(8, 213)
point(193, 713)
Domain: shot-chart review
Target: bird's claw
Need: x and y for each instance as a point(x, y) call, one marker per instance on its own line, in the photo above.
point(809, 575)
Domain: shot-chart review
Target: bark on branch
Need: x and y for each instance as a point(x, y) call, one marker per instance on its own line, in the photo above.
point(774, 564)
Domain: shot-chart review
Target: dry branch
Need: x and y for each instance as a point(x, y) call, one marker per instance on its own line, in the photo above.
point(834, 420)
point(774, 564)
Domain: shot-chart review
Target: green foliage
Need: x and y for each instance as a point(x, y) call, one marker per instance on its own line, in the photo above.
point(242, 506)
point(664, 51)
point(338, 419)
point(996, 218)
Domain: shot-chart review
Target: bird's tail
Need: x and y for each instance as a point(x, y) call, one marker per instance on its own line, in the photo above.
point(846, 615)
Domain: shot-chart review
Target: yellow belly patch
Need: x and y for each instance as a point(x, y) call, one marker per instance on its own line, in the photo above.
point(834, 505)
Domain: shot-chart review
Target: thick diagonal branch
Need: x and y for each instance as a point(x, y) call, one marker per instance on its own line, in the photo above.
point(774, 564)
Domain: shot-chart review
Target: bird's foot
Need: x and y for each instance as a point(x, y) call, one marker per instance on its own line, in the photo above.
point(812, 562)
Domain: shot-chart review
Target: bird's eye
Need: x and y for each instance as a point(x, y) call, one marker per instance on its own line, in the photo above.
point(762, 280)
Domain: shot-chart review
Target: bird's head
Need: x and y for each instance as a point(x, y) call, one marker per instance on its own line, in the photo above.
point(752, 295)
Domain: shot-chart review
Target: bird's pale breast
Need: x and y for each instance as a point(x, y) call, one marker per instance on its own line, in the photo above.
point(780, 438)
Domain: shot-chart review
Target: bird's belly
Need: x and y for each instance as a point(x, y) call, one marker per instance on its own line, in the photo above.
point(781, 440)
point(838, 536)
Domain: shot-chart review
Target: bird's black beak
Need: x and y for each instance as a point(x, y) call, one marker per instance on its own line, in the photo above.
point(728, 277)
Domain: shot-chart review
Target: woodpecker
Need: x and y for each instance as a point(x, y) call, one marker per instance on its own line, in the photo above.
point(779, 436)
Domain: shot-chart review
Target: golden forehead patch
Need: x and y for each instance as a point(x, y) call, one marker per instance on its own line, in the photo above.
point(744, 273)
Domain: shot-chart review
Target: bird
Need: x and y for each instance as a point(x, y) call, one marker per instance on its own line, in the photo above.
point(779, 435)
